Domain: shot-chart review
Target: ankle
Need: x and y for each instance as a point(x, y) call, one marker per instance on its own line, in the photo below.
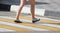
point(17, 18)
point(34, 19)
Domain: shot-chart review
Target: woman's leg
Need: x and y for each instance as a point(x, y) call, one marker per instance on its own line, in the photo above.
point(22, 3)
point(32, 3)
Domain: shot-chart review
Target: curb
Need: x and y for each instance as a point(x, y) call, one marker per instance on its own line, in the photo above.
point(26, 10)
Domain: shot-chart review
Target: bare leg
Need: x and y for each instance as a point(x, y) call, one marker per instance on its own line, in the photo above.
point(22, 3)
point(32, 3)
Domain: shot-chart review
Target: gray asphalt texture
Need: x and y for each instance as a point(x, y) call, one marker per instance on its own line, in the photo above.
point(53, 5)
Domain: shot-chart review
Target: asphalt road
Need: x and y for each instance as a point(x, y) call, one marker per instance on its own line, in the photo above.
point(50, 5)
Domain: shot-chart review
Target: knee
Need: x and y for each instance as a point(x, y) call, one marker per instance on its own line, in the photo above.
point(32, 4)
point(22, 5)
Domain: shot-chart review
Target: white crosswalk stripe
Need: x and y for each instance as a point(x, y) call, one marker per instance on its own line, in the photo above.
point(5, 30)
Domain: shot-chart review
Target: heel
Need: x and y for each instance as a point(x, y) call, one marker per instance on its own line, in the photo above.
point(17, 21)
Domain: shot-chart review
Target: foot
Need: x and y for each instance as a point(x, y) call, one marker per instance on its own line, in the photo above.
point(17, 21)
point(35, 20)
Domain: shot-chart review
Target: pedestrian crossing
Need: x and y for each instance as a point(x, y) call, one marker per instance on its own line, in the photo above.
point(45, 24)
point(5, 30)
point(48, 20)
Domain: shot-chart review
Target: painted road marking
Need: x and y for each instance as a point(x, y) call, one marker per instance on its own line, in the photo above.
point(31, 24)
point(5, 30)
point(13, 28)
point(47, 20)
point(57, 26)
point(22, 26)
